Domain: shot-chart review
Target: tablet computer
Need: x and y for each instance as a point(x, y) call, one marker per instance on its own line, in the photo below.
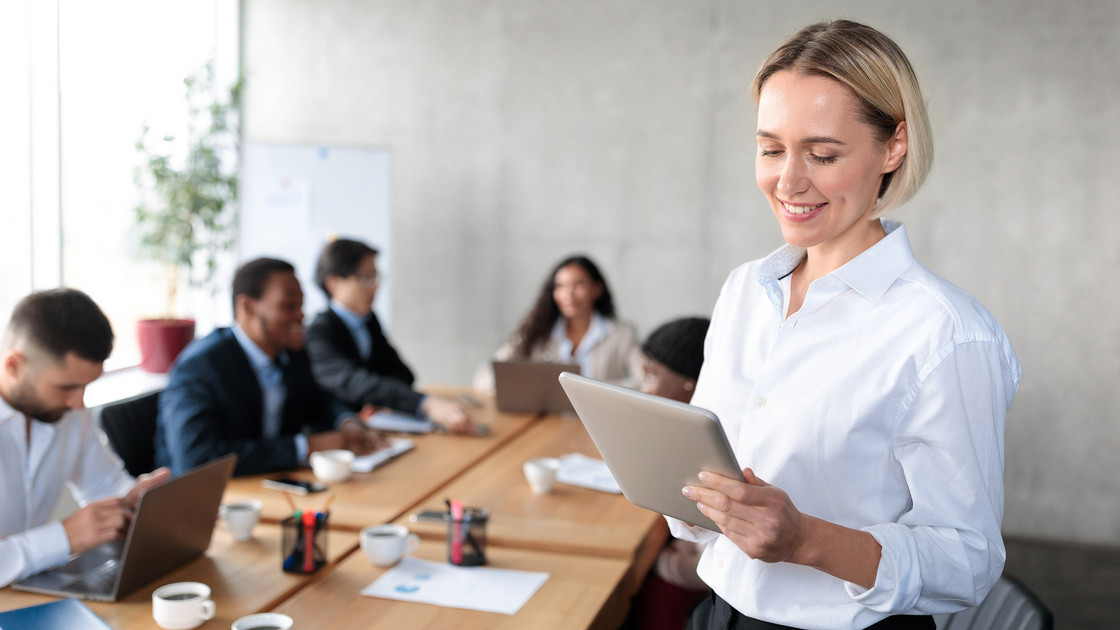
point(652, 445)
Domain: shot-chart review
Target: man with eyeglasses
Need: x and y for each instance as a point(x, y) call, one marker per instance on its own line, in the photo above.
point(350, 355)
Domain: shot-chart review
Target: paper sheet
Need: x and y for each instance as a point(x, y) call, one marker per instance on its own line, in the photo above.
point(577, 469)
point(475, 588)
point(366, 463)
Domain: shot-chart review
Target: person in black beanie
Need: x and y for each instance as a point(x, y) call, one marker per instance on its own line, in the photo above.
point(672, 356)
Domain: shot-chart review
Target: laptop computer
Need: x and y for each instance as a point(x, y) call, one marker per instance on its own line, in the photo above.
point(531, 387)
point(653, 446)
point(171, 525)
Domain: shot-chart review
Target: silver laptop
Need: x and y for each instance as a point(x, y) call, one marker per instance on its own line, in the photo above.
point(652, 445)
point(171, 526)
point(531, 387)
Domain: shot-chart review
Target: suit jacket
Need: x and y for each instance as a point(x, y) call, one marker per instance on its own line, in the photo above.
point(382, 379)
point(213, 406)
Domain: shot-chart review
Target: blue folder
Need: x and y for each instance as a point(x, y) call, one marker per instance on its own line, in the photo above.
point(64, 614)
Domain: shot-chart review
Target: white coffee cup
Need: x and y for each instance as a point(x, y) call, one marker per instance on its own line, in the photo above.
point(240, 518)
point(182, 605)
point(332, 465)
point(263, 621)
point(541, 473)
point(385, 544)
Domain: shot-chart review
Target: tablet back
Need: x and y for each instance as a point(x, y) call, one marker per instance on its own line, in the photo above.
point(653, 446)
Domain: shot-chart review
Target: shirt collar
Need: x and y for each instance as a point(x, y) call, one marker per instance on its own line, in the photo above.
point(598, 329)
point(348, 317)
point(875, 270)
point(870, 273)
point(7, 413)
point(257, 358)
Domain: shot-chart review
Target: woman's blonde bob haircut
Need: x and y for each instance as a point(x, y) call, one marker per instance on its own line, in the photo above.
point(877, 72)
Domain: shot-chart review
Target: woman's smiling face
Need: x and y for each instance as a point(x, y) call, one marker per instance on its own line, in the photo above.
point(819, 165)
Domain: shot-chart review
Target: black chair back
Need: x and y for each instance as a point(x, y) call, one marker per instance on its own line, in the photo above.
point(1009, 606)
point(130, 426)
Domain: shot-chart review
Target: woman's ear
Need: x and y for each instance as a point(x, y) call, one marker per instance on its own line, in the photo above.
point(896, 148)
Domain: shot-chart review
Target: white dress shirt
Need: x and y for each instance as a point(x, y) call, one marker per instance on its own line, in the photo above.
point(880, 406)
point(68, 452)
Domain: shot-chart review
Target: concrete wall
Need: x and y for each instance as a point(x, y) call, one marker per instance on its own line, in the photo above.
point(523, 130)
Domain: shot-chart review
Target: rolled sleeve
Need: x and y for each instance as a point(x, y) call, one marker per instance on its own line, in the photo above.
point(946, 552)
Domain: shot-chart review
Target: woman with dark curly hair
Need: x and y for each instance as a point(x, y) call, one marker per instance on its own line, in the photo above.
point(573, 321)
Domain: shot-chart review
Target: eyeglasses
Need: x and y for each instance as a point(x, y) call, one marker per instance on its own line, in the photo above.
point(369, 281)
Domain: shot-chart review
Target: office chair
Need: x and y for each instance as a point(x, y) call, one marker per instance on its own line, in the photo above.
point(1009, 606)
point(130, 426)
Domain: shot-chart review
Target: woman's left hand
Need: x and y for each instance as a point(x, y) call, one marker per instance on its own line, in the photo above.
point(758, 517)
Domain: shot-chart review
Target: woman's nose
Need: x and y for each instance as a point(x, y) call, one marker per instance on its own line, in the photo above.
point(793, 178)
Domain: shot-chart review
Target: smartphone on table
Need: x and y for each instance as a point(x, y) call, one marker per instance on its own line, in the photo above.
point(295, 486)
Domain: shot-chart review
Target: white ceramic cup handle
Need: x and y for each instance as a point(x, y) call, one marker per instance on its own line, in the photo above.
point(412, 544)
point(208, 609)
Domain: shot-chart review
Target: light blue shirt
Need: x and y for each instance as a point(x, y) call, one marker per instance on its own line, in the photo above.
point(581, 354)
point(356, 324)
point(273, 390)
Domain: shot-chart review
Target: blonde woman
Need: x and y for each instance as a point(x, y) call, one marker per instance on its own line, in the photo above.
point(866, 395)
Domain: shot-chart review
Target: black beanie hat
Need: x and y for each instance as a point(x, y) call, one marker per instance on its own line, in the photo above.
point(679, 345)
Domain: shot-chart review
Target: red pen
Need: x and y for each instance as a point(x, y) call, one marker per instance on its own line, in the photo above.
point(308, 541)
point(457, 532)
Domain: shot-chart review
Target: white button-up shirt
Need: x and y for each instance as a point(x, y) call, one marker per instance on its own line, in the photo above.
point(68, 452)
point(879, 405)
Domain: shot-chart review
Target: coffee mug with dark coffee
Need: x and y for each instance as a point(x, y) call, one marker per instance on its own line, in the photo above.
point(263, 621)
point(182, 605)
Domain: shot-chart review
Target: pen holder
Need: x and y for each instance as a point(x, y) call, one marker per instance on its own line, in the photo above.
point(466, 538)
point(303, 546)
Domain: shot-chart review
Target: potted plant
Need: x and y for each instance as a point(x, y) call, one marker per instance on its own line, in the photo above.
point(186, 215)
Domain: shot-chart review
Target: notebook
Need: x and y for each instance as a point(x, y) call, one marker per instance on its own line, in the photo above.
point(64, 614)
point(531, 387)
point(171, 525)
point(653, 446)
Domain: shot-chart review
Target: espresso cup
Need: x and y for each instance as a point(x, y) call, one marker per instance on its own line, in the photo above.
point(263, 621)
point(182, 605)
point(240, 518)
point(385, 544)
point(541, 473)
point(332, 465)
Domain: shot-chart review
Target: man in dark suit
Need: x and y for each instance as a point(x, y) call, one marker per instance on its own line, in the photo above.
point(350, 356)
point(248, 389)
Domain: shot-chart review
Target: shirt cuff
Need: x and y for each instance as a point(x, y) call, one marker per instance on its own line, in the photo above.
point(301, 448)
point(50, 544)
point(898, 580)
point(684, 531)
point(420, 406)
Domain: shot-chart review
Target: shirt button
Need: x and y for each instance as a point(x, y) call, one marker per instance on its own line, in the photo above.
point(761, 402)
point(721, 563)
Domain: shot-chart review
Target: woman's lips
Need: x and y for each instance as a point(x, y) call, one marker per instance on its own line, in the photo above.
point(801, 212)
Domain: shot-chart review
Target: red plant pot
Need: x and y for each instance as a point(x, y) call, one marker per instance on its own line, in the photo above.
point(161, 341)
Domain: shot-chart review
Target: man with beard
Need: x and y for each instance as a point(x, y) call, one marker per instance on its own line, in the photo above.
point(54, 346)
point(248, 389)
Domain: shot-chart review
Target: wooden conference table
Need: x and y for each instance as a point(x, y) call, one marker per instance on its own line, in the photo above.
point(596, 546)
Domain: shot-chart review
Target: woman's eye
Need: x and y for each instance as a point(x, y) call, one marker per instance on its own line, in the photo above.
point(824, 159)
point(770, 152)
